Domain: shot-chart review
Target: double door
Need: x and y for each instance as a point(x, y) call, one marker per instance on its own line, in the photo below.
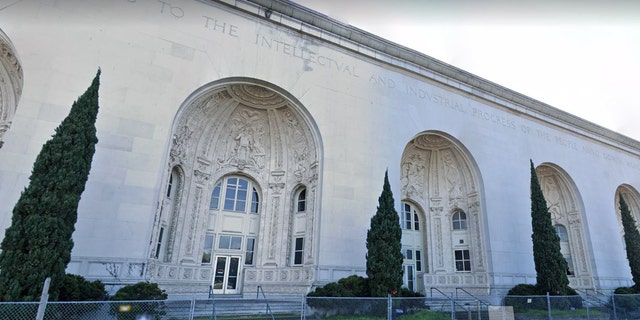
point(226, 279)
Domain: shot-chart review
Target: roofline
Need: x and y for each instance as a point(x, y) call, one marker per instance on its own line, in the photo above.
point(305, 20)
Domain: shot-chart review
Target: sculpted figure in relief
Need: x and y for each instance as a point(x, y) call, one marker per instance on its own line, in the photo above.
point(412, 180)
point(178, 150)
point(299, 145)
point(244, 143)
point(552, 195)
point(452, 175)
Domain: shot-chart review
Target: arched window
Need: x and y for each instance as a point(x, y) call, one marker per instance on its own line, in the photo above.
point(459, 220)
point(236, 195)
point(409, 218)
point(565, 249)
point(171, 186)
point(301, 201)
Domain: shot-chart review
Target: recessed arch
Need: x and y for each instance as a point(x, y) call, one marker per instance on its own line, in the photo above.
point(565, 206)
point(632, 198)
point(439, 174)
point(11, 86)
point(258, 142)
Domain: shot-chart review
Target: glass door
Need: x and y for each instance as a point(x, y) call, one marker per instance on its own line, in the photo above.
point(226, 272)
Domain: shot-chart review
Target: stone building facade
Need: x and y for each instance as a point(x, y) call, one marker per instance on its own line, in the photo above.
point(244, 143)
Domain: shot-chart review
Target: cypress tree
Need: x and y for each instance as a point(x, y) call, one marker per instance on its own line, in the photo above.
point(551, 268)
point(38, 243)
point(384, 250)
point(631, 241)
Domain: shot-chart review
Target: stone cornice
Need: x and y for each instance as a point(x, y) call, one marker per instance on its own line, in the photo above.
point(315, 24)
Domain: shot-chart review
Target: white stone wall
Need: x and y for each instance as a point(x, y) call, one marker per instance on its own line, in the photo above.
point(367, 106)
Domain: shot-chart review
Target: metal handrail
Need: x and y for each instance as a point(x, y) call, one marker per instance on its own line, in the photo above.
point(436, 289)
point(472, 296)
point(268, 307)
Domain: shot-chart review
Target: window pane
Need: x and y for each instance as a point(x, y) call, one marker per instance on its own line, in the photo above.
point(170, 184)
point(221, 265)
point(458, 254)
point(297, 256)
point(215, 196)
point(416, 222)
point(248, 256)
point(207, 248)
point(159, 246)
point(410, 254)
point(236, 243)
point(302, 201)
point(407, 220)
point(225, 242)
point(254, 201)
point(418, 261)
point(230, 194)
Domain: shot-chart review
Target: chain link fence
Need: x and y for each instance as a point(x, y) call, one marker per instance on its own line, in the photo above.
point(591, 307)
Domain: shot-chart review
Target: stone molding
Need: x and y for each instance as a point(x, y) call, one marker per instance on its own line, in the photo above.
point(304, 20)
point(11, 82)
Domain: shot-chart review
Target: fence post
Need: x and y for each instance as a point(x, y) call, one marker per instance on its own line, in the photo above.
point(549, 305)
point(613, 301)
point(453, 311)
point(389, 307)
point(192, 310)
point(303, 307)
point(43, 299)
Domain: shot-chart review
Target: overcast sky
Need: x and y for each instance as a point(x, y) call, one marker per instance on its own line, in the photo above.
point(584, 58)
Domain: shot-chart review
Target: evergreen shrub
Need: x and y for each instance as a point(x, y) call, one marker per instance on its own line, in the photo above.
point(77, 288)
point(145, 291)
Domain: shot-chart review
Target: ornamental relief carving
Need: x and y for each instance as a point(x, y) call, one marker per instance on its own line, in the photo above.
point(248, 130)
point(412, 177)
point(300, 148)
point(454, 179)
point(553, 197)
point(256, 96)
point(244, 144)
point(11, 80)
point(179, 145)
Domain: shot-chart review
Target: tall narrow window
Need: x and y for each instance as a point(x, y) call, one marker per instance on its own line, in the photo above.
point(215, 196)
point(406, 216)
point(250, 249)
point(170, 185)
point(418, 261)
point(459, 220)
point(298, 251)
point(207, 248)
point(463, 260)
point(565, 249)
point(255, 200)
point(302, 200)
point(159, 245)
point(409, 218)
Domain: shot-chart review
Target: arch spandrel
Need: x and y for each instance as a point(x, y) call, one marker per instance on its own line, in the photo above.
point(632, 198)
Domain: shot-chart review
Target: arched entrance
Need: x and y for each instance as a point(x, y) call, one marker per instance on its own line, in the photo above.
point(566, 212)
point(242, 150)
point(442, 219)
